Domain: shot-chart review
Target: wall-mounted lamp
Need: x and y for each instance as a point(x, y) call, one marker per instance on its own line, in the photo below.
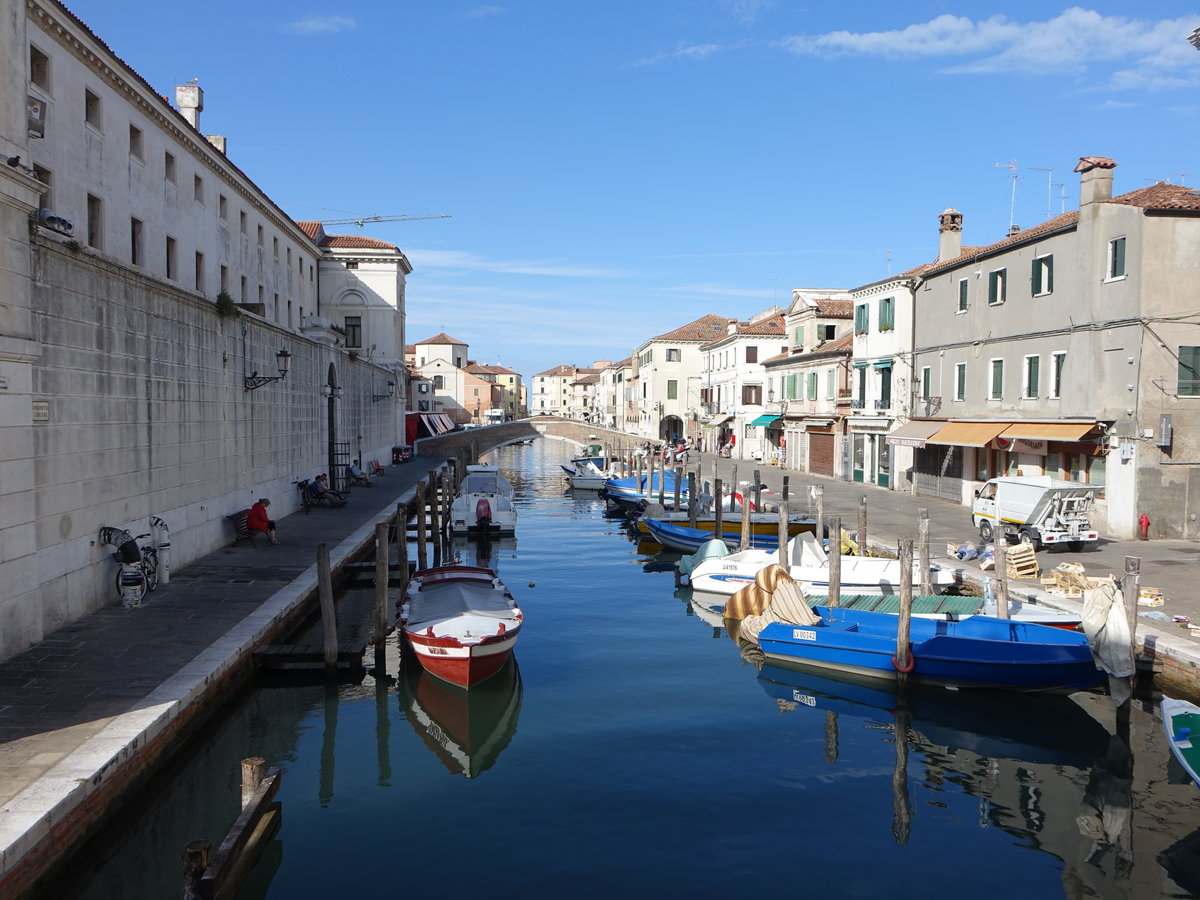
point(391, 392)
point(334, 392)
point(254, 381)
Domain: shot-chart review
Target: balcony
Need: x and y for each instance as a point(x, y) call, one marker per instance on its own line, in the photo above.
point(857, 403)
point(885, 403)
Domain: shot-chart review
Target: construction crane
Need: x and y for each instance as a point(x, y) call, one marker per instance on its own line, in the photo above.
point(362, 220)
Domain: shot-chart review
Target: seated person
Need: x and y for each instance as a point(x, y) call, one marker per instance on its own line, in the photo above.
point(357, 476)
point(258, 520)
point(321, 488)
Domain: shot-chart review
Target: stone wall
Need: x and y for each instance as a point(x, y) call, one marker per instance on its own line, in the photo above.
point(140, 409)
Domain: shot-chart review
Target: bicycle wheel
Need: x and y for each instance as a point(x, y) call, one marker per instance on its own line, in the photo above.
point(150, 567)
point(137, 577)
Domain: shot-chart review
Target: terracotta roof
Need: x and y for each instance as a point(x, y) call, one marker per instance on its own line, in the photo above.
point(835, 309)
point(706, 328)
point(313, 229)
point(560, 370)
point(1161, 196)
point(441, 338)
point(356, 242)
point(784, 355)
point(587, 379)
point(1066, 220)
point(772, 326)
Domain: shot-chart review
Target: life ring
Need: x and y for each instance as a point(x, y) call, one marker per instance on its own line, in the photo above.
point(912, 661)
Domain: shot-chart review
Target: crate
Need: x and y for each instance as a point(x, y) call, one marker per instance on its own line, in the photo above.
point(1022, 562)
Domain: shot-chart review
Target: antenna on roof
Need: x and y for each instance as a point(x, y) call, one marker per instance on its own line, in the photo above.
point(1062, 196)
point(1049, 186)
point(1181, 176)
point(887, 255)
point(1012, 206)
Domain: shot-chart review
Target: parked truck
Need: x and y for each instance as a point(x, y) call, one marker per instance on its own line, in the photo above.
point(1035, 509)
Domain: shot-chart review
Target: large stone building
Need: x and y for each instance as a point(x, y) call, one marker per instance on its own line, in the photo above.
point(165, 346)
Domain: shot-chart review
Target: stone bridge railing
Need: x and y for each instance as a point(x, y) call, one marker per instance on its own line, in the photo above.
point(473, 442)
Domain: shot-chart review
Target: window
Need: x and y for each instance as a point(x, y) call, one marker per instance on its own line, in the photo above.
point(39, 68)
point(997, 288)
point(964, 290)
point(439, 382)
point(751, 354)
point(887, 315)
point(752, 394)
point(242, 222)
point(199, 272)
point(789, 387)
point(135, 241)
point(95, 220)
point(135, 142)
point(275, 247)
point(91, 109)
point(960, 381)
point(672, 389)
point(260, 235)
point(350, 263)
point(1042, 276)
point(885, 388)
point(798, 336)
point(673, 354)
point(1058, 360)
point(997, 388)
point(222, 207)
point(830, 383)
point(244, 296)
point(171, 270)
point(353, 331)
point(1116, 258)
point(224, 279)
point(860, 318)
point(812, 386)
point(926, 379)
point(1189, 372)
point(169, 167)
point(198, 189)
point(826, 332)
point(1032, 377)
point(44, 176)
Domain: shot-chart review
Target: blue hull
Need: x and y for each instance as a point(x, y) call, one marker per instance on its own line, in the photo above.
point(689, 540)
point(979, 651)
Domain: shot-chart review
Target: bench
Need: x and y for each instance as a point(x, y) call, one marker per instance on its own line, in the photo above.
point(376, 468)
point(308, 499)
point(241, 527)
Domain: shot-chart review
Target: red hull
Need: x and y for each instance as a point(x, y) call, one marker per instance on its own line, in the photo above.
point(470, 664)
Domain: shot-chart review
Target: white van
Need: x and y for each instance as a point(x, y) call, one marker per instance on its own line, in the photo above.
point(1036, 509)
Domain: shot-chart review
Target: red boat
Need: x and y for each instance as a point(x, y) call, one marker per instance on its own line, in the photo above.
point(461, 622)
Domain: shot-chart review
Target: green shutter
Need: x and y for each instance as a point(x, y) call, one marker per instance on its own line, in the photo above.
point(963, 292)
point(1118, 258)
point(1049, 274)
point(1189, 371)
point(1035, 277)
point(1033, 365)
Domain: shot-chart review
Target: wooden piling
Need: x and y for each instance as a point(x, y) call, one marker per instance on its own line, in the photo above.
point(419, 502)
point(819, 496)
point(382, 574)
point(862, 526)
point(1000, 556)
point(785, 488)
point(328, 614)
point(923, 551)
point(835, 561)
point(744, 542)
point(733, 486)
point(903, 660)
point(757, 490)
point(1131, 587)
point(662, 483)
point(679, 487)
point(718, 510)
point(781, 555)
point(253, 770)
point(195, 860)
point(435, 525)
point(693, 496)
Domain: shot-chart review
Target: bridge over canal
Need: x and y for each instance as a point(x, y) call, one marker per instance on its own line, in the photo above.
point(474, 442)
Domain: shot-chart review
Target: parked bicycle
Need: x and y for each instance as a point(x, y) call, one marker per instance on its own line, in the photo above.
point(138, 572)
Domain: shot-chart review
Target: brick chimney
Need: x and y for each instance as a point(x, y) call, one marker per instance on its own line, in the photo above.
point(949, 234)
point(190, 100)
point(1095, 179)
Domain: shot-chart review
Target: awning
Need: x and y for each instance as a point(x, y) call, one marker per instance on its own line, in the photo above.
point(810, 424)
point(765, 420)
point(882, 364)
point(967, 434)
point(914, 434)
point(719, 420)
point(1047, 431)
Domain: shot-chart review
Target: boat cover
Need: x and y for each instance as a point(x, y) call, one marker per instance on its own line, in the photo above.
point(1107, 629)
point(448, 600)
point(787, 605)
point(485, 483)
point(714, 549)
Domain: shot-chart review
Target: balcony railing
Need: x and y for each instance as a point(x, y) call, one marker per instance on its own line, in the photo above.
point(884, 404)
point(857, 403)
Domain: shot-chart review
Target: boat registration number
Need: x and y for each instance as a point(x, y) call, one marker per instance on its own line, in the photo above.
point(806, 699)
point(803, 634)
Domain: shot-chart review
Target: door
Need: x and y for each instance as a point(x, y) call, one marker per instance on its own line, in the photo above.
point(883, 475)
point(859, 456)
point(937, 472)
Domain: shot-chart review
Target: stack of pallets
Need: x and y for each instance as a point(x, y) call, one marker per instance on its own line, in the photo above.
point(1069, 580)
point(1022, 562)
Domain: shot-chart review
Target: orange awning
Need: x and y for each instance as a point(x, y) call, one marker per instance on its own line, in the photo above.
point(1047, 431)
point(968, 434)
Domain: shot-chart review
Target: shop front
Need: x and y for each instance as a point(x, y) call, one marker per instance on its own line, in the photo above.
point(870, 453)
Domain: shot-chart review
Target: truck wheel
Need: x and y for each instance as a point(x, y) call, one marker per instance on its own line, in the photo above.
point(1025, 537)
point(985, 532)
point(1075, 546)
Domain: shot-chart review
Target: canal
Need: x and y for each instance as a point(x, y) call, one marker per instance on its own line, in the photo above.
point(633, 752)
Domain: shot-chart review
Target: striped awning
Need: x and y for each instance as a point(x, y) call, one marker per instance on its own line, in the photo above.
point(967, 434)
point(914, 434)
point(719, 420)
point(1047, 431)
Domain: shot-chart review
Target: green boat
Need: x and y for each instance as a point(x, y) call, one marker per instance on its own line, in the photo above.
point(1182, 721)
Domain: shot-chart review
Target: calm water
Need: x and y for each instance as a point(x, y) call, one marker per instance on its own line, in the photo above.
point(634, 752)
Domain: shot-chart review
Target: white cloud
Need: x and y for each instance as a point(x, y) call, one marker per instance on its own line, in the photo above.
point(464, 261)
point(483, 12)
point(313, 25)
point(1147, 54)
point(746, 11)
point(693, 52)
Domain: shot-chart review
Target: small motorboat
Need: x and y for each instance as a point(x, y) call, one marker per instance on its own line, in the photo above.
point(461, 622)
point(764, 534)
point(586, 475)
point(484, 504)
point(1182, 722)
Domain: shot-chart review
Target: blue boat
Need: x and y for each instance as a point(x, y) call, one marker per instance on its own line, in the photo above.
point(628, 492)
point(979, 651)
point(674, 536)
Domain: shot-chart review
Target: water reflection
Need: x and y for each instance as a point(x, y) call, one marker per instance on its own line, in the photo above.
point(467, 730)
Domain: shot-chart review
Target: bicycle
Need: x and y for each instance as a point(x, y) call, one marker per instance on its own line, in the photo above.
point(138, 572)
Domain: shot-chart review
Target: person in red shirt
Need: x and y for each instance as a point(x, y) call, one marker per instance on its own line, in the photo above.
point(258, 520)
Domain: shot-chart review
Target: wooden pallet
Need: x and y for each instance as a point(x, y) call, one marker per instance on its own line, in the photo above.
point(1069, 580)
point(1022, 562)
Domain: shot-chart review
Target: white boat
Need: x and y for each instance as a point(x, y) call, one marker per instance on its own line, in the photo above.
point(586, 475)
point(1182, 722)
point(484, 504)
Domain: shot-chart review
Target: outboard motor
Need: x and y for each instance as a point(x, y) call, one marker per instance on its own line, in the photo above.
point(483, 514)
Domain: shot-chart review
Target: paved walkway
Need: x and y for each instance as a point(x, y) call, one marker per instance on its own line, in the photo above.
point(96, 690)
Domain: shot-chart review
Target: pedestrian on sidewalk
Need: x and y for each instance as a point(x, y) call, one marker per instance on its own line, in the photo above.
point(258, 520)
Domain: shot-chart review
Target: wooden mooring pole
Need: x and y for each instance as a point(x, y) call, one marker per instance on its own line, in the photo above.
point(835, 561)
point(862, 526)
point(718, 510)
point(328, 614)
point(903, 659)
point(693, 497)
point(781, 554)
point(819, 497)
point(785, 488)
point(1131, 588)
point(679, 488)
point(195, 860)
point(744, 542)
point(419, 502)
point(253, 770)
point(1000, 555)
point(435, 531)
point(382, 576)
point(923, 551)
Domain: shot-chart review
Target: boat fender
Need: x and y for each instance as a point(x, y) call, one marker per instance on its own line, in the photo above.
point(502, 629)
point(912, 661)
point(483, 512)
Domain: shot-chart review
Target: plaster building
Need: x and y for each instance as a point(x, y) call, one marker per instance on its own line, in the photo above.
point(669, 373)
point(164, 347)
point(551, 391)
point(1070, 349)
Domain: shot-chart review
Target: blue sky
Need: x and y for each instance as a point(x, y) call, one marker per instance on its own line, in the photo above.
point(616, 169)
